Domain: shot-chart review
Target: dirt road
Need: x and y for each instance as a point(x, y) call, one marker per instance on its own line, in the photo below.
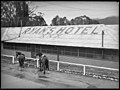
point(28, 78)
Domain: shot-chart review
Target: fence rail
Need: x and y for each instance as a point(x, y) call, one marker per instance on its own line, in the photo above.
point(58, 63)
point(13, 58)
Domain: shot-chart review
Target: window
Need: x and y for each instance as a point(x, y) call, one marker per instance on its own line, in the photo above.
point(68, 49)
point(28, 47)
point(75, 50)
point(37, 47)
point(108, 52)
point(19, 46)
point(82, 50)
point(8, 46)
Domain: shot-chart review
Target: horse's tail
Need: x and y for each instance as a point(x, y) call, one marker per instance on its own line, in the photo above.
point(47, 63)
point(23, 56)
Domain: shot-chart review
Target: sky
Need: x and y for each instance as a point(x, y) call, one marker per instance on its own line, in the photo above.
point(72, 9)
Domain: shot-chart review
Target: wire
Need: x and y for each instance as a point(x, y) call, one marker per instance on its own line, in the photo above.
point(75, 8)
point(69, 7)
point(59, 10)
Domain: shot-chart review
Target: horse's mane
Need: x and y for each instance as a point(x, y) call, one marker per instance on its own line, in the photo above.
point(23, 54)
point(39, 54)
point(18, 53)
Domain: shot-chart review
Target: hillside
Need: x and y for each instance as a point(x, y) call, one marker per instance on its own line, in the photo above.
point(109, 20)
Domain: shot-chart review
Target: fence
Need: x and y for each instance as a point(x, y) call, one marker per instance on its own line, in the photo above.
point(93, 53)
point(8, 56)
point(89, 70)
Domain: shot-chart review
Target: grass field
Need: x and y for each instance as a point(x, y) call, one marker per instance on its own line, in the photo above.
point(86, 61)
point(13, 78)
point(74, 69)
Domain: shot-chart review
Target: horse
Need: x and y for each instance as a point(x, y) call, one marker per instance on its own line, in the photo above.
point(21, 59)
point(43, 62)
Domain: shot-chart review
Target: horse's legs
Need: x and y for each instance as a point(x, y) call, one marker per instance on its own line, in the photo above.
point(47, 66)
point(20, 64)
point(23, 64)
point(40, 67)
point(44, 69)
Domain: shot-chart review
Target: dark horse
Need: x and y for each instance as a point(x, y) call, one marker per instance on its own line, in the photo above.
point(21, 59)
point(43, 62)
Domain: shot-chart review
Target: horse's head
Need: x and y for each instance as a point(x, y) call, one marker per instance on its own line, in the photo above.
point(39, 54)
point(18, 53)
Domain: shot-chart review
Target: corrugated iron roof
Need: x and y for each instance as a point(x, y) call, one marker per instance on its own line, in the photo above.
point(86, 36)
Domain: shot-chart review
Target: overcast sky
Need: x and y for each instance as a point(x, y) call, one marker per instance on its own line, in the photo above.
point(72, 9)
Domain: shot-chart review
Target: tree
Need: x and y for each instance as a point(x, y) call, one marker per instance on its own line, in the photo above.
point(36, 20)
point(55, 21)
point(95, 22)
point(60, 21)
point(12, 12)
point(65, 21)
point(21, 12)
point(8, 13)
point(17, 13)
point(83, 20)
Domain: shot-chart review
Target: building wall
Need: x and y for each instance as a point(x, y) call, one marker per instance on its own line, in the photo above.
point(66, 53)
point(13, 52)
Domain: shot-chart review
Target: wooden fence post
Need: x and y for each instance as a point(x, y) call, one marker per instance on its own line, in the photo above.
point(13, 60)
point(84, 70)
point(58, 64)
point(58, 58)
point(37, 63)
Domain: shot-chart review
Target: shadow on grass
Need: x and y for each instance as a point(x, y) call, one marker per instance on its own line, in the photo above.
point(20, 76)
point(92, 87)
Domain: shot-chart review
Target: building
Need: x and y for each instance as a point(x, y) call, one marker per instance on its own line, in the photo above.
point(65, 43)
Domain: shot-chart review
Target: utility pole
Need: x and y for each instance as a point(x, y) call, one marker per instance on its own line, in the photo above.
point(102, 44)
point(102, 38)
point(21, 27)
point(57, 54)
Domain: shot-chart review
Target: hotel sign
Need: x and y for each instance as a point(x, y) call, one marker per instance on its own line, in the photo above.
point(80, 29)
